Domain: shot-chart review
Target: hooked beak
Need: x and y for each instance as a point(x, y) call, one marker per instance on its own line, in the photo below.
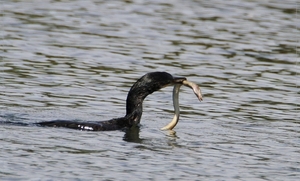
point(178, 80)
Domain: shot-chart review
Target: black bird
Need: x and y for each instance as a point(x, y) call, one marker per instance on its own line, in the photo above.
point(144, 86)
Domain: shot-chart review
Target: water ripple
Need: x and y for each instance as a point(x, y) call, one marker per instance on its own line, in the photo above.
point(76, 60)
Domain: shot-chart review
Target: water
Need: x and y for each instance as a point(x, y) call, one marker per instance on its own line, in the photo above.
point(77, 60)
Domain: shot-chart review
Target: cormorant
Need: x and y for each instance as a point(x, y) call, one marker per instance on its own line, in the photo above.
point(144, 86)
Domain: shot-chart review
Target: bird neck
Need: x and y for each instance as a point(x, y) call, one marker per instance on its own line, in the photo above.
point(134, 104)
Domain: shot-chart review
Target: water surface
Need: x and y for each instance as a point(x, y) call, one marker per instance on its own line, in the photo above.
point(77, 59)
